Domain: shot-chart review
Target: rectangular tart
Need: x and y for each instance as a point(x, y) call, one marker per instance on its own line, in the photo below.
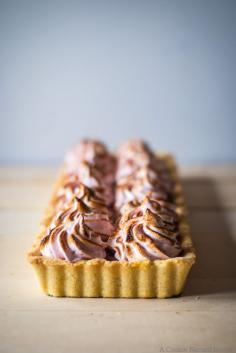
point(118, 279)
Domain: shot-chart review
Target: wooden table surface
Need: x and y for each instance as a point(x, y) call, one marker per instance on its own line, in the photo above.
point(202, 320)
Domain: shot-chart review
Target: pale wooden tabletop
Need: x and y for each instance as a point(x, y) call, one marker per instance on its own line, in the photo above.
point(202, 320)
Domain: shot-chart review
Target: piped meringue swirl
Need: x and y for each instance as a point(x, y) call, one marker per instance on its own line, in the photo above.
point(92, 151)
point(94, 167)
point(141, 173)
point(71, 188)
point(148, 231)
point(80, 231)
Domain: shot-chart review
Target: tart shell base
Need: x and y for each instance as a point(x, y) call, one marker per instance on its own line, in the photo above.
point(101, 278)
point(117, 279)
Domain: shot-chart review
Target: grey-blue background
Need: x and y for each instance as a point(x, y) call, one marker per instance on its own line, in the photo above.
point(161, 70)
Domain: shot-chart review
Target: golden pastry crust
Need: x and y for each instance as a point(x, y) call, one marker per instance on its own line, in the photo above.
point(118, 279)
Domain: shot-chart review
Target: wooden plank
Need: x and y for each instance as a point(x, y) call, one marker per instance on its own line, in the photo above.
point(201, 320)
point(222, 173)
point(214, 235)
point(208, 194)
point(25, 173)
point(19, 223)
point(30, 196)
point(88, 331)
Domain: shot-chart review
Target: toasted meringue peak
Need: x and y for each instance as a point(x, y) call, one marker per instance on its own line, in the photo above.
point(91, 151)
point(135, 155)
point(139, 189)
point(86, 150)
point(139, 173)
point(71, 188)
point(80, 231)
point(94, 166)
point(147, 232)
point(132, 156)
point(133, 147)
point(134, 209)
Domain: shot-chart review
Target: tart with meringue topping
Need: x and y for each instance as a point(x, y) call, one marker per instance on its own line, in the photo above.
point(115, 227)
